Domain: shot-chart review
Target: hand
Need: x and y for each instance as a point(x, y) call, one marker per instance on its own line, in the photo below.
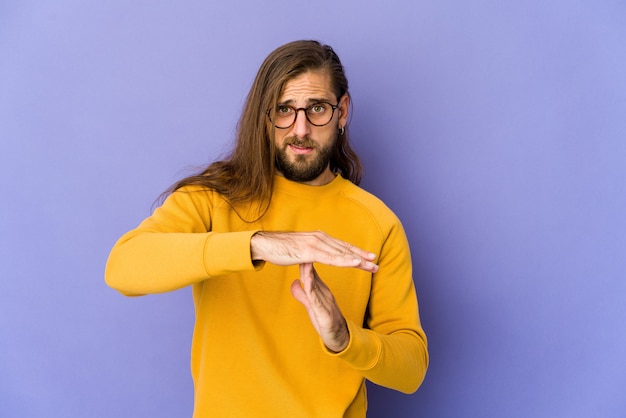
point(323, 311)
point(291, 248)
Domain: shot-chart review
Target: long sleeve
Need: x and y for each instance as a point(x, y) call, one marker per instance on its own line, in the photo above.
point(175, 247)
point(392, 350)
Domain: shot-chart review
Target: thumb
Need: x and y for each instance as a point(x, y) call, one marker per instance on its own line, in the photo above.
point(298, 293)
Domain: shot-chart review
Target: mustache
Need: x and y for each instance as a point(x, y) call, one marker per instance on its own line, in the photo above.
point(305, 142)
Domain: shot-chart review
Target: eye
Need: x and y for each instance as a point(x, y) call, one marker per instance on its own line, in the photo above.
point(318, 108)
point(283, 110)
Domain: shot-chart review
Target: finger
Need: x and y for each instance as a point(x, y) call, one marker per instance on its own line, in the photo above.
point(320, 297)
point(345, 248)
point(317, 284)
point(308, 288)
point(351, 260)
point(306, 277)
point(315, 290)
point(343, 254)
point(298, 293)
point(342, 258)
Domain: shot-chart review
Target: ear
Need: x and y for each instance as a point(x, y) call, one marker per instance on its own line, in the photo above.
point(344, 108)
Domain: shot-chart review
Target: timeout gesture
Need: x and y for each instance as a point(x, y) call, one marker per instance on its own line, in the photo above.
point(304, 249)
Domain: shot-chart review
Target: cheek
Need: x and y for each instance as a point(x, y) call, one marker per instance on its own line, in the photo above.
point(278, 139)
point(329, 136)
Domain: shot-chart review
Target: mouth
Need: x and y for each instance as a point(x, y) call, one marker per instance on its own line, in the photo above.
point(301, 150)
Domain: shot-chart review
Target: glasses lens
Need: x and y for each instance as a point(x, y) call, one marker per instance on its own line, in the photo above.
point(319, 113)
point(284, 116)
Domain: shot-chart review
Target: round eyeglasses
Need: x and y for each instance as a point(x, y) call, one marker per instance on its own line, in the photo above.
point(318, 114)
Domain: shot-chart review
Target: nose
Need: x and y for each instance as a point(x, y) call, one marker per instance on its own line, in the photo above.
point(301, 127)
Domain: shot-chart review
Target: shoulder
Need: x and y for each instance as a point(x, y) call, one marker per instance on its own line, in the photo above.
point(367, 213)
point(195, 196)
point(368, 203)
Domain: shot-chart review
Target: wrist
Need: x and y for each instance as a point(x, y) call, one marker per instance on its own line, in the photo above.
point(341, 339)
point(255, 246)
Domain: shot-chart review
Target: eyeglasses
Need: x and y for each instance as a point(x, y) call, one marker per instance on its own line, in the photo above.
point(318, 114)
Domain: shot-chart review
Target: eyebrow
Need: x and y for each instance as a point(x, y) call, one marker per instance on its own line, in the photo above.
point(309, 101)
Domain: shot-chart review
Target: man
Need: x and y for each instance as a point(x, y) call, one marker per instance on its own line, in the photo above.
point(302, 281)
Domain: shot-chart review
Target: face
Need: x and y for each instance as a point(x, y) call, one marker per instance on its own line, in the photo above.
point(303, 150)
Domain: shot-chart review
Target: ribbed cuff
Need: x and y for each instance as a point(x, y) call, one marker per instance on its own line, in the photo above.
point(228, 252)
point(363, 350)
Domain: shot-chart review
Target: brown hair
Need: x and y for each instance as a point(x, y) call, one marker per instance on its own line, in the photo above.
point(247, 174)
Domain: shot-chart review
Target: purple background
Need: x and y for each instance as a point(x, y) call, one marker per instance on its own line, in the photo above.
point(495, 130)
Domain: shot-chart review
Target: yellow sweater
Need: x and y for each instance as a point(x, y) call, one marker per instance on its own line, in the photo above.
point(254, 351)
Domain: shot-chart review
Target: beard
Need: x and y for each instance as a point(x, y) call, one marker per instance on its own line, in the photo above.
point(303, 169)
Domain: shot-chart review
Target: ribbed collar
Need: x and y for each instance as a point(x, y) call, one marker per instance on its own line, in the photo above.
point(305, 190)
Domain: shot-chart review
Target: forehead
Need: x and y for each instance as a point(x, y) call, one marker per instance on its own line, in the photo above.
point(307, 86)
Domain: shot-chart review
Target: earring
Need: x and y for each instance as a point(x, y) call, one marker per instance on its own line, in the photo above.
point(342, 130)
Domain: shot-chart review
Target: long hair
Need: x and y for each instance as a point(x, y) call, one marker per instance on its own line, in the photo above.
point(247, 174)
